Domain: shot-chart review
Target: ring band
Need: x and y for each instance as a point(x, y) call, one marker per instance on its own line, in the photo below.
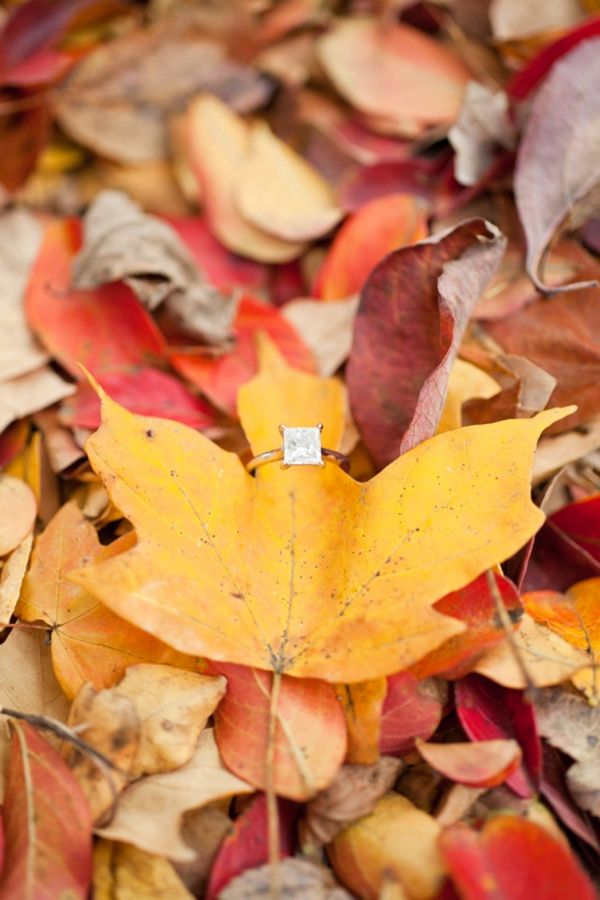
point(301, 447)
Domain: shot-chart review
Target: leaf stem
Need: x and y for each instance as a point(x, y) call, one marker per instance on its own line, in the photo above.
point(530, 687)
point(272, 808)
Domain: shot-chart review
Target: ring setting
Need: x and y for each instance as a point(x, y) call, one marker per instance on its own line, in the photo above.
point(300, 447)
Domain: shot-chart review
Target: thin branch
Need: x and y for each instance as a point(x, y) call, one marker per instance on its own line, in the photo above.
point(530, 687)
point(272, 808)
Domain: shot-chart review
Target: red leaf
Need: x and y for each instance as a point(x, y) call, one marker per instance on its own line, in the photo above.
point(557, 561)
point(522, 84)
point(23, 134)
point(477, 764)
point(104, 329)
point(488, 711)
point(147, 392)
point(48, 824)
point(581, 523)
point(413, 312)
point(512, 859)
point(374, 231)
point(416, 176)
point(221, 377)
point(411, 710)
point(223, 269)
point(475, 606)
point(247, 847)
point(310, 733)
point(13, 440)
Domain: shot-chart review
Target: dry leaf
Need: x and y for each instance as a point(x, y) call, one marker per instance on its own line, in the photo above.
point(465, 382)
point(20, 236)
point(149, 813)
point(482, 127)
point(363, 704)
point(279, 192)
point(512, 19)
point(18, 509)
point(218, 143)
point(27, 682)
point(89, 642)
point(196, 510)
point(299, 880)
point(569, 723)
point(325, 328)
point(397, 841)
point(353, 793)
point(31, 392)
point(123, 243)
point(11, 578)
point(547, 657)
point(556, 164)
point(476, 764)
point(123, 872)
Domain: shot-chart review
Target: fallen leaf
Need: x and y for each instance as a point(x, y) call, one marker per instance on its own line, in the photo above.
point(352, 794)
point(413, 312)
point(489, 712)
point(271, 170)
point(29, 393)
point(18, 509)
point(247, 846)
point(465, 382)
point(89, 642)
point(47, 823)
point(61, 447)
point(547, 658)
point(529, 392)
point(220, 377)
point(110, 724)
point(393, 73)
point(478, 764)
point(511, 20)
point(23, 135)
point(554, 788)
point(386, 622)
point(363, 704)
point(483, 126)
point(511, 858)
point(27, 683)
point(218, 143)
point(580, 522)
point(123, 872)
point(412, 709)
point(309, 744)
point(569, 723)
point(396, 841)
point(558, 336)
point(298, 878)
point(149, 812)
point(325, 328)
point(365, 238)
point(20, 236)
point(11, 577)
point(121, 243)
point(555, 168)
point(574, 617)
point(118, 98)
point(476, 607)
point(204, 830)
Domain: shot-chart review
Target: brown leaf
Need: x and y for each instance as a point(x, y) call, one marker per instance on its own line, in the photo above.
point(529, 393)
point(123, 243)
point(18, 509)
point(11, 578)
point(118, 98)
point(353, 793)
point(557, 160)
point(149, 813)
point(299, 880)
point(325, 328)
point(483, 125)
point(31, 392)
point(569, 723)
point(413, 312)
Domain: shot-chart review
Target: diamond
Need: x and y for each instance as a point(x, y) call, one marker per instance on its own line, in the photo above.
point(301, 446)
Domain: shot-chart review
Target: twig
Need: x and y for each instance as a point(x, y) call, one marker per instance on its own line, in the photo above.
point(530, 687)
point(272, 808)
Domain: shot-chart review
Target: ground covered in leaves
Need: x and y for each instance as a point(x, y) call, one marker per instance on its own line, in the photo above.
point(222, 218)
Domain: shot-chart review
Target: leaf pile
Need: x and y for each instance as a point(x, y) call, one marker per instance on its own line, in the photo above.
point(218, 219)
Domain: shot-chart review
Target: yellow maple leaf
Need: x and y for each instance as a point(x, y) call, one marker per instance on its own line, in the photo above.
point(303, 570)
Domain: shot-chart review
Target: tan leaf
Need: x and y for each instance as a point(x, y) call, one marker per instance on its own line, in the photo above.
point(11, 578)
point(28, 393)
point(149, 813)
point(18, 509)
point(123, 872)
point(325, 328)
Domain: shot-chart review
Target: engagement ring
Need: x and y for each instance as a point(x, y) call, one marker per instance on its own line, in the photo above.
point(300, 447)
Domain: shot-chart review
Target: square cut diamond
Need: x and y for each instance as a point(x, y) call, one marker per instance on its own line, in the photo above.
point(302, 446)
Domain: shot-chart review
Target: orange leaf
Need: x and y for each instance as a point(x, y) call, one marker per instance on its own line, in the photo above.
point(512, 859)
point(378, 228)
point(575, 617)
point(310, 731)
point(48, 824)
point(478, 764)
point(302, 570)
point(220, 377)
point(362, 704)
point(89, 642)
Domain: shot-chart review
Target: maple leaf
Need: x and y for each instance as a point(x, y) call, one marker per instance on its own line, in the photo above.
point(303, 570)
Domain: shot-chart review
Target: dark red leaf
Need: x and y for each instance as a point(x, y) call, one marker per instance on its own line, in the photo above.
point(411, 709)
point(414, 308)
point(554, 788)
point(581, 523)
point(488, 711)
